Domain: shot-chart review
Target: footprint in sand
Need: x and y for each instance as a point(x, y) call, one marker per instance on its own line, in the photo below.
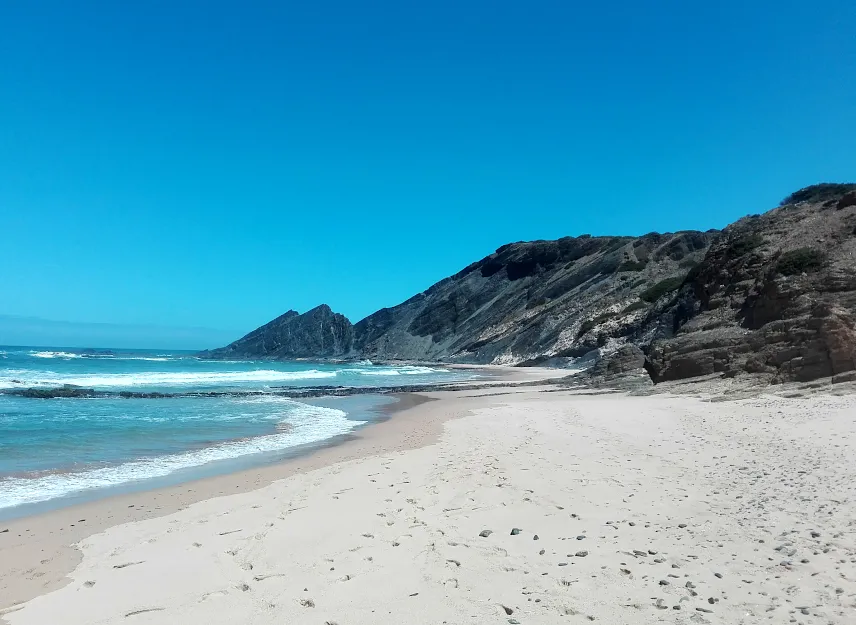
point(144, 611)
point(127, 564)
point(259, 578)
point(216, 593)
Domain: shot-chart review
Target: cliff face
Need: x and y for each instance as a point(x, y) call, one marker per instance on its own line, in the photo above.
point(527, 302)
point(533, 301)
point(775, 295)
point(772, 294)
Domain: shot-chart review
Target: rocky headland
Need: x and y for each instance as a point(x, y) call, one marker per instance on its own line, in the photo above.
point(772, 295)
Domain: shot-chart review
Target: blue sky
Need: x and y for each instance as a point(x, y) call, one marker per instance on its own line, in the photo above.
point(15, 330)
point(214, 163)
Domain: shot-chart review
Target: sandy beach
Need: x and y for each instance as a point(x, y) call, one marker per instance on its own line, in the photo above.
point(506, 506)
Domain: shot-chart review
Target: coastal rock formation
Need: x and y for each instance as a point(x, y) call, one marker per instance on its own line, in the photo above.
point(623, 369)
point(66, 392)
point(318, 333)
point(775, 295)
point(627, 359)
point(772, 295)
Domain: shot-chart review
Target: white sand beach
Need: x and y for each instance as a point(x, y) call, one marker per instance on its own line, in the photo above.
point(602, 508)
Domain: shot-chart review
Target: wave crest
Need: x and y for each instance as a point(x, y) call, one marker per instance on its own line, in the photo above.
point(161, 378)
point(49, 354)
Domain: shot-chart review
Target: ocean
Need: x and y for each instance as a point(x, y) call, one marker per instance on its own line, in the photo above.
point(64, 450)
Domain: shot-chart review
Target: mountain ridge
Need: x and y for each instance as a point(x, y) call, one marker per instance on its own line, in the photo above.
point(693, 302)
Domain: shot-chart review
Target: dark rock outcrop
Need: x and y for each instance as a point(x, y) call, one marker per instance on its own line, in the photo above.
point(626, 359)
point(848, 199)
point(622, 369)
point(65, 392)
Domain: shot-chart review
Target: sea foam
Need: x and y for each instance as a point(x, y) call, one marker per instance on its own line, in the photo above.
point(48, 354)
point(158, 378)
point(406, 370)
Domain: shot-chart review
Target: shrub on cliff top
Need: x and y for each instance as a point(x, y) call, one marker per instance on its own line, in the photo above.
point(818, 193)
point(588, 324)
point(652, 294)
point(635, 306)
point(801, 260)
point(630, 265)
point(744, 244)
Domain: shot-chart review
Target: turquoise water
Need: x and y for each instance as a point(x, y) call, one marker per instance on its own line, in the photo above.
point(53, 449)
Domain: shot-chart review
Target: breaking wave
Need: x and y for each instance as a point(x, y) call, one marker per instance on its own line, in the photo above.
point(157, 378)
point(303, 424)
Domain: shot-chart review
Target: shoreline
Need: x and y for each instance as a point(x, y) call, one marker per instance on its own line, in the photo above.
point(497, 375)
point(51, 535)
point(39, 549)
point(536, 504)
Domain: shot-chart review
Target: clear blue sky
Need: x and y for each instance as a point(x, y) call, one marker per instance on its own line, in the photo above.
point(216, 163)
